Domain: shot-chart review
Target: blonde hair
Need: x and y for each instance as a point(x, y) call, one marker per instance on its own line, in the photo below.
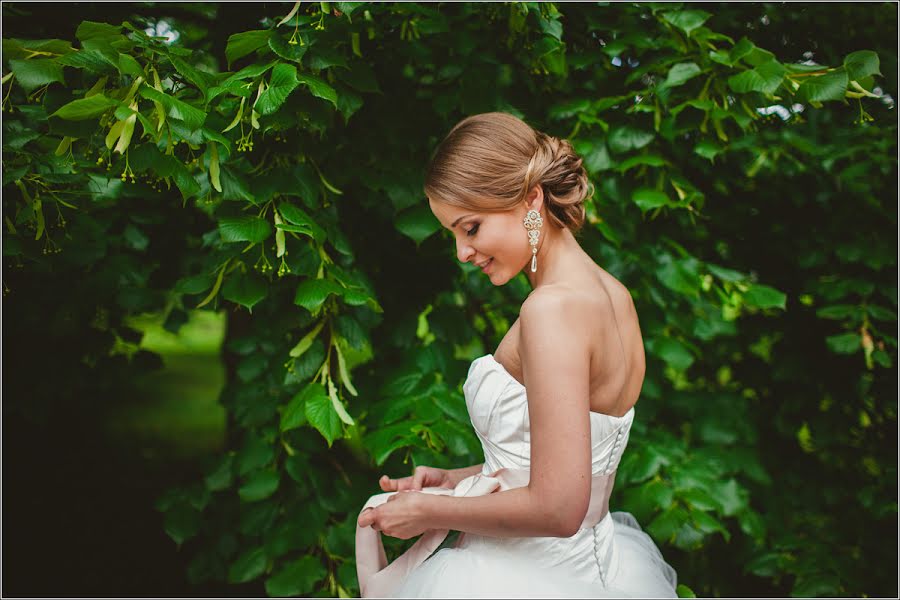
point(489, 162)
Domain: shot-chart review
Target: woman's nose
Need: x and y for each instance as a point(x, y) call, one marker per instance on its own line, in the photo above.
point(463, 251)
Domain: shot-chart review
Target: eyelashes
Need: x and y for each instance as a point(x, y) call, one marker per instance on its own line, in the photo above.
point(473, 231)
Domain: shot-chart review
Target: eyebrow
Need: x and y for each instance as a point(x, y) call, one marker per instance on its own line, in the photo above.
point(458, 220)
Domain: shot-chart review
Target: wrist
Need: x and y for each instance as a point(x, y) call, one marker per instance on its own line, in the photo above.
point(454, 476)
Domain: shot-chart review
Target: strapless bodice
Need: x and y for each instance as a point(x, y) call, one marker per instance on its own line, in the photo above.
point(609, 555)
point(498, 409)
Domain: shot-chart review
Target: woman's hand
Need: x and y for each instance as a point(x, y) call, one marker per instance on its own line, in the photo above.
point(403, 515)
point(422, 477)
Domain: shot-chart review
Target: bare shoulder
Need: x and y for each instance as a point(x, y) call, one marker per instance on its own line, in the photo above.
point(564, 303)
point(559, 310)
point(597, 303)
point(619, 295)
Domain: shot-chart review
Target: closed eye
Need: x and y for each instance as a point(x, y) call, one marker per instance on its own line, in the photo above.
point(472, 231)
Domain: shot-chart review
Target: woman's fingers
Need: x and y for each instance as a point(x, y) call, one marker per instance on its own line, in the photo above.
point(367, 517)
point(415, 482)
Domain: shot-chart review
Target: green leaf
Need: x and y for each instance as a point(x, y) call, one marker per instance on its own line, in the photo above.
point(186, 183)
point(648, 199)
point(129, 66)
point(653, 160)
point(135, 238)
point(700, 498)
point(862, 63)
point(322, 416)
point(674, 353)
point(248, 566)
point(765, 565)
point(643, 463)
point(664, 527)
point(721, 57)
point(880, 313)
point(248, 72)
point(844, 343)
point(764, 78)
point(752, 524)
point(417, 222)
point(821, 88)
point(234, 186)
point(296, 216)
point(684, 591)
point(244, 229)
point(382, 452)
point(627, 138)
point(647, 498)
point(182, 522)
point(838, 311)
point(731, 495)
point(348, 7)
point(740, 50)
point(285, 50)
point(312, 293)
point(214, 136)
point(85, 108)
point(297, 578)
point(259, 486)
point(242, 44)
point(296, 534)
point(294, 414)
point(251, 367)
point(220, 478)
point(255, 454)
point(246, 289)
point(679, 275)
point(763, 296)
point(192, 116)
point(319, 87)
point(325, 56)
point(686, 20)
point(92, 60)
point(283, 82)
point(33, 73)
point(688, 537)
point(680, 73)
point(195, 76)
point(707, 149)
point(91, 30)
point(725, 274)
point(360, 77)
point(16, 48)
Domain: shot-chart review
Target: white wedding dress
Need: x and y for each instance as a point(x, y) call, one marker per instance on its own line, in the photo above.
point(610, 556)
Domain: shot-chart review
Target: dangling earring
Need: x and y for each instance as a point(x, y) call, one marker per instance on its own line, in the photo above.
point(533, 222)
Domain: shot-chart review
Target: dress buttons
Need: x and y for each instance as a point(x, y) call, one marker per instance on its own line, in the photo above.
point(597, 555)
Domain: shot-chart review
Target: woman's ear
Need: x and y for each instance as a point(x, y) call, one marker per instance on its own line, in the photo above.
point(535, 198)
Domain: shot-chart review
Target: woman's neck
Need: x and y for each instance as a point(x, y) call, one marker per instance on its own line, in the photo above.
point(559, 258)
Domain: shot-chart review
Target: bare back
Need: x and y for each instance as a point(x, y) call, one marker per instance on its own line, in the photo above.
point(617, 351)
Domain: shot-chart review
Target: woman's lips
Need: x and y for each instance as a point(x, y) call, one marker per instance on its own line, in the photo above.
point(487, 266)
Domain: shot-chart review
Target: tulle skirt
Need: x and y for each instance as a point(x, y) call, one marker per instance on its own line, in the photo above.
point(614, 559)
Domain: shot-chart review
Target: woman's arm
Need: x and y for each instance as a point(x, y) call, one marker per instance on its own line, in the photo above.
point(457, 475)
point(510, 513)
point(555, 355)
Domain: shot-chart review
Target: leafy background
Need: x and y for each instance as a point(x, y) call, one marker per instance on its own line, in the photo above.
point(229, 309)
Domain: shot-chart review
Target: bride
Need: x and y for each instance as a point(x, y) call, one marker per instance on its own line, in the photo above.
point(534, 517)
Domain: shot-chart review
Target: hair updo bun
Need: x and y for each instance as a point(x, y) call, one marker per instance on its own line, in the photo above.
point(491, 161)
point(558, 168)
